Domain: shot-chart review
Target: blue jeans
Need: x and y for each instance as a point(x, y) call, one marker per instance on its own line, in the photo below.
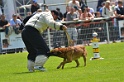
point(7, 30)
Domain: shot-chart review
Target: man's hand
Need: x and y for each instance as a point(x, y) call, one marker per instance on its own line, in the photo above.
point(64, 27)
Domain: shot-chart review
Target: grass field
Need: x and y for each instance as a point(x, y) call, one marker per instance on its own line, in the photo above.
point(111, 69)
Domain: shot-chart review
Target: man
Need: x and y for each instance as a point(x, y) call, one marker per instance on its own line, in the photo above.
point(73, 3)
point(59, 13)
point(119, 13)
point(36, 46)
point(34, 6)
point(91, 10)
point(57, 34)
point(99, 5)
point(71, 16)
point(119, 10)
point(4, 25)
point(15, 23)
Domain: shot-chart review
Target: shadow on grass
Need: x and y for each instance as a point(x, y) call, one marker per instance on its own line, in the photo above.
point(24, 73)
point(60, 69)
point(27, 72)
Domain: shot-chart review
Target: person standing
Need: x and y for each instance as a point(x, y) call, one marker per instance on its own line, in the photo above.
point(71, 16)
point(38, 51)
point(73, 3)
point(119, 13)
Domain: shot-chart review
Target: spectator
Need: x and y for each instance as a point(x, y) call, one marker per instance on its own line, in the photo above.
point(34, 7)
point(73, 3)
point(100, 9)
point(4, 25)
point(86, 15)
point(56, 38)
point(59, 14)
point(71, 16)
point(15, 23)
point(107, 10)
point(119, 11)
point(91, 10)
point(78, 11)
point(82, 4)
point(64, 15)
point(97, 14)
point(99, 5)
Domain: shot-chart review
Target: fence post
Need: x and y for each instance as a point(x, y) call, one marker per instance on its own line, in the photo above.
point(108, 38)
point(49, 38)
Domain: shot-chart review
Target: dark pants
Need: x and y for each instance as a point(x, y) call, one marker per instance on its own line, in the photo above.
point(16, 30)
point(34, 43)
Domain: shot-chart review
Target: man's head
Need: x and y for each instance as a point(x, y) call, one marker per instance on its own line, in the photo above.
point(34, 2)
point(71, 10)
point(107, 3)
point(120, 3)
point(14, 16)
point(54, 14)
point(2, 17)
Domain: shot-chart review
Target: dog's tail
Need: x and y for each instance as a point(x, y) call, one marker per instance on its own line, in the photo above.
point(84, 50)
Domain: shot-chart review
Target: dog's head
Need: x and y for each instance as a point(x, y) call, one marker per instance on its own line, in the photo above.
point(58, 51)
point(55, 52)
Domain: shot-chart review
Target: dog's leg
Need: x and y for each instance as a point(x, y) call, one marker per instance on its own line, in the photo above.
point(67, 61)
point(61, 64)
point(77, 62)
point(84, 57)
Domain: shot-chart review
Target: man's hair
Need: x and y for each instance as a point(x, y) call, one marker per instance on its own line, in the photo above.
point(55, 12)
point(120, 2)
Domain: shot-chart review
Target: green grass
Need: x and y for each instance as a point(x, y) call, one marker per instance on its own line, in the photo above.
point(111, 69)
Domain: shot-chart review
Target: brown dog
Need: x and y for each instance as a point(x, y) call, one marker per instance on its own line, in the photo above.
point(69, 54)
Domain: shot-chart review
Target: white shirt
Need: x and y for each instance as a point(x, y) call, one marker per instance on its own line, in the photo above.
point(106, 12)
point(71, 4)
point(42, 20)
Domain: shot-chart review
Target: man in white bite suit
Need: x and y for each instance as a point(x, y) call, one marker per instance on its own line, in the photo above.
point(34, 42)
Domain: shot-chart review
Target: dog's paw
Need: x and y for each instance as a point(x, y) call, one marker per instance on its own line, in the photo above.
point(58, 67)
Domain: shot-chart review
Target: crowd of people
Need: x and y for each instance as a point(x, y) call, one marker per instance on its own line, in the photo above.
point(75, 10)
point(34, 23)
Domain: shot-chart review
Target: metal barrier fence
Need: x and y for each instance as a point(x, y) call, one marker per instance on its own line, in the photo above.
point(107, 32)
